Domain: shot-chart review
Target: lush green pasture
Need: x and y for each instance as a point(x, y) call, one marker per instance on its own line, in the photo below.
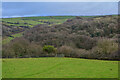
point(8, 39)
point(32, 21)
point(58, 68)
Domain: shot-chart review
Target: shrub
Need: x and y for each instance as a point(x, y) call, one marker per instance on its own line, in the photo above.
point(82, 53)
point(35, 50)
point(105, 49)
point(20, 48)
point(85, 42)
point(49, 49)
point(97, 52)
point(7, 52)
point(67, 51)
point(108, 46)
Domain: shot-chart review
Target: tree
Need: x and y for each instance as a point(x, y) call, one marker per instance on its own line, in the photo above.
point(49, 49)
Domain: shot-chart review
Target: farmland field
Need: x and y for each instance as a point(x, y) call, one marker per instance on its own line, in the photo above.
point(60, 40)
point(58, 68)
point(8, 39)
point(16, 26)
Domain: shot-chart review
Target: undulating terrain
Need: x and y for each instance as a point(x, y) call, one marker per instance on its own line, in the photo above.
point(13, 27)
point(81, 37)
point(60, 47)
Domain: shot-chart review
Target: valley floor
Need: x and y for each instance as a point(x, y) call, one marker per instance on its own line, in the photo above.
point(58, 68)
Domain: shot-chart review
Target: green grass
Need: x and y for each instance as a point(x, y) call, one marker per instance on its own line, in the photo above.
point(8, 39)
point(32, 21)
point(17, 35)
point(58, 68)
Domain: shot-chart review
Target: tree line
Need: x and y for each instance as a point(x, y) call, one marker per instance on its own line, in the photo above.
point(93, 37)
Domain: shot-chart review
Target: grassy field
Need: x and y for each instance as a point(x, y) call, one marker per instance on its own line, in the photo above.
point(58, 68)
point(30, 22)
point(8, 39)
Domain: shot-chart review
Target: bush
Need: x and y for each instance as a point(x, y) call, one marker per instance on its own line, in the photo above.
point(49, 49)
point(67, 51)
point(35, 50)
point(85, 42)
point(105, 49)
point(108, 46)
point(7, 52)
point(82, 53)
point(21, 48)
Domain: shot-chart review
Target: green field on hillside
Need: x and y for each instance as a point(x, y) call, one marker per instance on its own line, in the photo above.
point(32, 21)
point(58, 68)
point(29, 22)
point(8, 39)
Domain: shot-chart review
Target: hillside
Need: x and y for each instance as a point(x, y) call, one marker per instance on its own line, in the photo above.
point(93, 27)
point(15, 26)
point(79, 37)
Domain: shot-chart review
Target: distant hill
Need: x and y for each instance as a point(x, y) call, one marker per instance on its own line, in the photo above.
point(16, 25)
point(80, 37)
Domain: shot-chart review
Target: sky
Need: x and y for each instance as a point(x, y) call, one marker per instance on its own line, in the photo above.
point(60, 0)
point(25, 9)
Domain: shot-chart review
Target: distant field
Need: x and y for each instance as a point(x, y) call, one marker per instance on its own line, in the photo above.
point(29, 22)
point(58, 68)
point(8, 39)
point(32, 21)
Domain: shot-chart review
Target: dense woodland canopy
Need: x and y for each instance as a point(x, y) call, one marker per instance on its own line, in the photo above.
point(78, 37)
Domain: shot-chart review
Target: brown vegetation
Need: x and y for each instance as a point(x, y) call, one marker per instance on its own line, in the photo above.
point(94, 37)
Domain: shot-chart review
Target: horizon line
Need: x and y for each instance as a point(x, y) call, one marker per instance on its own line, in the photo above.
point(59, 15)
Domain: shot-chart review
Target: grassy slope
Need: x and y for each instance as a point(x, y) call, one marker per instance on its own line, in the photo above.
point(8, 39)
point(59, 68)
point(31, 21)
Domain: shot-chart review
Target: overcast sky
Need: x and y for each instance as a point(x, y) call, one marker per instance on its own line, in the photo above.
point(60, 0)
point(23, 9)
